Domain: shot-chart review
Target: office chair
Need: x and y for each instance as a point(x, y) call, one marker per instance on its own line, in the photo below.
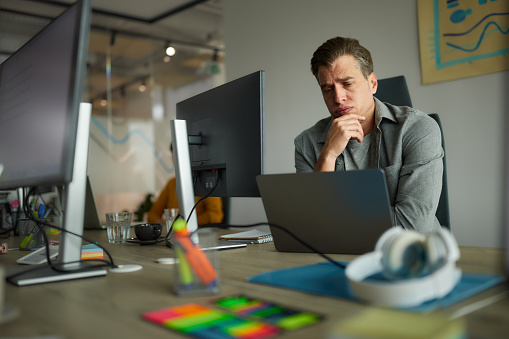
point(395, 91)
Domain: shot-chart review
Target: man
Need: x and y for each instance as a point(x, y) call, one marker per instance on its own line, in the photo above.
point(364, 133)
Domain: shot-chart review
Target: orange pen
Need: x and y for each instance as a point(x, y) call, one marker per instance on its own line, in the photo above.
point(193, 253)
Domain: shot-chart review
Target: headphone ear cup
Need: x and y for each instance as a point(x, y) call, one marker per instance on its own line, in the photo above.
point(404, 255)
point(437, 251)
point(387, 236)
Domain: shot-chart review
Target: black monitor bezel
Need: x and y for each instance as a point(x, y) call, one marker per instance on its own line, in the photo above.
point(77, 81)
point(238, 105)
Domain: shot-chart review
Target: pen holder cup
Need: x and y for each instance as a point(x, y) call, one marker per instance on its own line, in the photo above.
point(197, 268)
point(30, 235)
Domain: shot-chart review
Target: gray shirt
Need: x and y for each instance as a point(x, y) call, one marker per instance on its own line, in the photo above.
point(406, 144)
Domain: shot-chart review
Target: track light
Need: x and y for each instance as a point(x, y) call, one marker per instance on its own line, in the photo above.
point(113, 38)
point(142, 87)
point(170, 50)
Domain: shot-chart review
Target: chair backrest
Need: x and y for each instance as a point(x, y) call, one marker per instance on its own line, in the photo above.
point(395, 91)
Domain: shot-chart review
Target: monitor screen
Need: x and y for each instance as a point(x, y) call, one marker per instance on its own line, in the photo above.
point(226, 126)
point(41, 87)
point(44, 132)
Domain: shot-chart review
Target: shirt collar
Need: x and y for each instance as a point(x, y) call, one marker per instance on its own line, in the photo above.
point(382, 111)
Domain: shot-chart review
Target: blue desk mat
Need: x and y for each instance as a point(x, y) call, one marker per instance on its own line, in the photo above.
point(328, 280)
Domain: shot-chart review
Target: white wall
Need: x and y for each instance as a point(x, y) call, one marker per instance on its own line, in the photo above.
point(280, 37)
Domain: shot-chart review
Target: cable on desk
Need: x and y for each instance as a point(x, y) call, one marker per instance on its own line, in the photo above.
point(39, 224)
point(290, 233)
point(225, 226)
point(205, 197)
point(6, 232)
point(166, 239)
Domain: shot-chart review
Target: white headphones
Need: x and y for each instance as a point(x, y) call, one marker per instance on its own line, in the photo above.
point(420, 268)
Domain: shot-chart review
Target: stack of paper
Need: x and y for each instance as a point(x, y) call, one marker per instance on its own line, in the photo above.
point(91, 251)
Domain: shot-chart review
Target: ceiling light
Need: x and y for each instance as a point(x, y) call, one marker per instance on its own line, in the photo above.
point(170, 50)
point(142, 87)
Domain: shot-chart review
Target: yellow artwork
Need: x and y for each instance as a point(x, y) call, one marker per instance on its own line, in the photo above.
point(462, 38)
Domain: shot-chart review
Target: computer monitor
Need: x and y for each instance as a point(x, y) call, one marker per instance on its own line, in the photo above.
point(43, 124)
point(228, 121)
point(505, 209)
point(225, 140)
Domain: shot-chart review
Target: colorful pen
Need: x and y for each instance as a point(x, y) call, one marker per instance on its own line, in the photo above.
point(186, 275)
point(27, 240)
point(193, 253)
point(41, 211)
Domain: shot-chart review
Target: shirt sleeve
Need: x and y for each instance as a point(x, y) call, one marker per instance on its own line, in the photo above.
point(303, 156)
point(420, 177)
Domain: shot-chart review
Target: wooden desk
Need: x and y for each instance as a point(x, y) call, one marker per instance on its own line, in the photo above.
point(111, 306)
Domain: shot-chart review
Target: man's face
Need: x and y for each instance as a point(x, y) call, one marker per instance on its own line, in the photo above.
point(345, 90)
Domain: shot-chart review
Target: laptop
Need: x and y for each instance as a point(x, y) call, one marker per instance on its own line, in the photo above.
point(335, 212)
point(91, 221)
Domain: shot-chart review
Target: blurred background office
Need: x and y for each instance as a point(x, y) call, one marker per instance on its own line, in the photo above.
point(134, 87)
point(144, 57)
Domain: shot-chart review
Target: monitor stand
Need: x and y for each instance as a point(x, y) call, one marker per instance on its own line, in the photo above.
point(72, 198)
point(41, 274)
point(183, 174)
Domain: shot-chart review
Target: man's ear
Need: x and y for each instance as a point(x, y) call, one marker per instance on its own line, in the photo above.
point(373, 82)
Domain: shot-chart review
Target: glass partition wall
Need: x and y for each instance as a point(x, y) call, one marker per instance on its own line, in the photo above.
point(134, 87)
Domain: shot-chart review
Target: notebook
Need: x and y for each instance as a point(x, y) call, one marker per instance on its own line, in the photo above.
point(254, 236)
point(231, 317)
point(335, 212)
